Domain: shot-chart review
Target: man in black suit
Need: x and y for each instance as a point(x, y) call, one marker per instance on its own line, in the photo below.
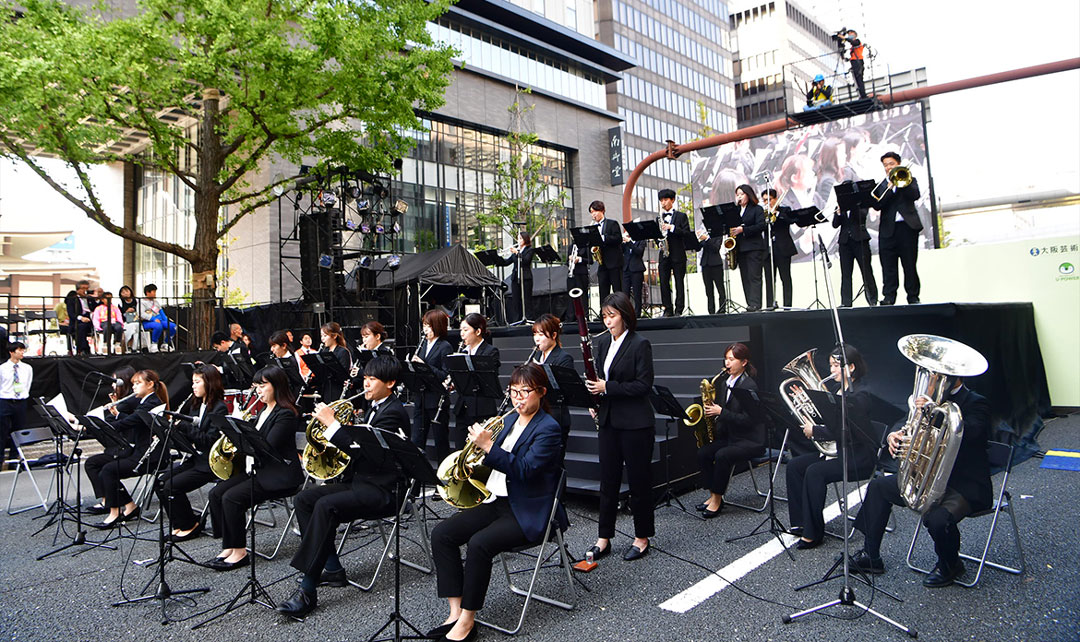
point(634, 269)
point(609, 270)
point(79, 306)
point(898, 236)
point(854, 243)
point(675, 229)
point(783, 248)
point(712, 270)
point(968, 490)
point(368, 489)
point(233, 370)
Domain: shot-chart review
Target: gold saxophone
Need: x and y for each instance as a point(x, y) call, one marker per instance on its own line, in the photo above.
point(597, 255)
point(704, 426)
point(463, 474)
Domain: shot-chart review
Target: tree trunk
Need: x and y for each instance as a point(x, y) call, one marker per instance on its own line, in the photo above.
point(203, 301)
point(207, 214)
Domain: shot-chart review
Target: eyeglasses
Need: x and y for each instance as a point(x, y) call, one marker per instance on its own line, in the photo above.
point(521, 393)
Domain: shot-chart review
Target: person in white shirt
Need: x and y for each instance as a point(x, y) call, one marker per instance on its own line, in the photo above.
point(15, 380)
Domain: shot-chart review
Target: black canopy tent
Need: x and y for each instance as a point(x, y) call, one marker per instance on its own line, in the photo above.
point(433, 278)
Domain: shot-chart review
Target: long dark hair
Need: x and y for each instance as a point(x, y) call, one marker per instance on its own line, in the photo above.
point(334, 330)
point(277, 378)
point(532, 376)
point(828, 160)
point(621, 303)
point(742, 353)
point(212, 384)
point(751, 196)
point(854, 358)
point(151, 376)
point(478, 322)
point(124, 374)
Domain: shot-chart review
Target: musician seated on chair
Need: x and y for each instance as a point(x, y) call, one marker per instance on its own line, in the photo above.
point(737, 436)
point(525, 459)
point(968, 490)
point(367, 489)
point(809, 476)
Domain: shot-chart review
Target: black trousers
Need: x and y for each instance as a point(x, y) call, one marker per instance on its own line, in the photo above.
point(856, 252)
point(713, 278)
point(488, 529)
point(422, 424)
point(634, 284)
point(857, 74)
point(228, 502)
point(669, 268)
point(940, 521)
point(105, 474)
point(634, 449)
point(172, 493)
point(751, 269)
point(783, 269)
point(609, 279)
point(579, 280)
point(82, 330)
point(808, 479)
point(903, 245)
point(319, 511)
point(12, 419)
point(716, 460)
point(514, 306)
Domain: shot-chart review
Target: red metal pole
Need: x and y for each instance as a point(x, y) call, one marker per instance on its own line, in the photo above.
point(674, 151)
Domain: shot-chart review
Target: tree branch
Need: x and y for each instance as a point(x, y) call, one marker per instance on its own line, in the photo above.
point(244, 212)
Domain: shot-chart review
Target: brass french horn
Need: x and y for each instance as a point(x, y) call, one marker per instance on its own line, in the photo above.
point(321, 459)
point(462, 473)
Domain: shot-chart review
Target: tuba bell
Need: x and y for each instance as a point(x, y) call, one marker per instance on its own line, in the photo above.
point(932, 432)
point(462, 473)
point(704, 426)
point(793, 390)
point(321, 459)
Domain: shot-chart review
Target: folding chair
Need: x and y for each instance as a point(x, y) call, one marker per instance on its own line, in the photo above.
point(388, 542)
point(883, 463)
point(290, 508)
point(553, 535)
point(1000, 455)
point(777, 456)
point(24, 438)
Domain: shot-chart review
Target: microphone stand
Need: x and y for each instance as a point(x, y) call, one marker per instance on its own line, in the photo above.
point(847, 593)
point(770, 286)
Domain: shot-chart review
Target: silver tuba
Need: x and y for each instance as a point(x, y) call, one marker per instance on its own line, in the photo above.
point(793, 390)
point(932, 433)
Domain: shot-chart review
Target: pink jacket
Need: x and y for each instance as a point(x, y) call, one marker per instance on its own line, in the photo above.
point(98, 316)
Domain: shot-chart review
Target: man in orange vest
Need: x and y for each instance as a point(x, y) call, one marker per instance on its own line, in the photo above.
point(856, 58)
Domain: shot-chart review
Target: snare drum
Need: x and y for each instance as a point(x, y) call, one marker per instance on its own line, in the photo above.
point(233, 398)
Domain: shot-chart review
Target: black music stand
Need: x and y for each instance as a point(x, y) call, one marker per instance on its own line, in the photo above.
point(166, 434)
point(418, 378)
point(664, 403)
point(856, 197)
point(718, 221)
point(569, 386)
point(60, 428)
point(644, 231)
point(474, 375)
point(249, 442)
point(811, 217)
point(324, 366)
point(548, 255)
point(755, 402)
point(491, 258)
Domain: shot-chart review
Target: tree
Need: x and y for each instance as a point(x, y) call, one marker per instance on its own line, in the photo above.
point(212, 92)
point(521, 199)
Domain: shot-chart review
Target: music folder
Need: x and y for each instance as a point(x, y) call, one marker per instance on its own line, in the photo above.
point(587, 236)
point(718, 219)
point(808, 216)
point(642, 230)
point(850, 196)
point(547, 254)
point(474, 375)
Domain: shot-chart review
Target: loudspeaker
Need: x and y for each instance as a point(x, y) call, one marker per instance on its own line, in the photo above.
point(315, 243)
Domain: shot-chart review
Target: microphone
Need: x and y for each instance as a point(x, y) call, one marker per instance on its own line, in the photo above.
point(177, 415)
point(824, 252)
point(105, 377)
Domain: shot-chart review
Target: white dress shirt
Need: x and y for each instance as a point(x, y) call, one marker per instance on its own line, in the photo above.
point(612, 351)
point(496, 482)
point(8, 371)
point(731, 381)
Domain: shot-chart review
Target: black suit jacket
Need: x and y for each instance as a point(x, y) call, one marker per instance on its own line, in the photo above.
point(135, 427)
point(292, 372)
point(331, 388)
point(971, 471)
point(710, 251)
point(611, 250)
point(864, 442)
point(74, 308)
point(280, 430)
point(901, 201)
point(681, 238)
point(374, 467)
point(434, 358)
point(473, 405)
point(559, 410)
point(204, 434)
point(635, 256)
point(753, 234)
point(582, 267)
point(626, 405)
point(782, 243)
point(852, 224)
point(526, 257)
point(735, 424)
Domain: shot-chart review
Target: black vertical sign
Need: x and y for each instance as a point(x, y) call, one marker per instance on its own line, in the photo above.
point(615, 155)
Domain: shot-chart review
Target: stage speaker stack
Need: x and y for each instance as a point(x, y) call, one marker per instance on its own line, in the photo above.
point(317, 267)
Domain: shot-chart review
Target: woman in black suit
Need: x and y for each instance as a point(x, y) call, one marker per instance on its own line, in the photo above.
point(738, 436)
point(372, 343)
point(333, 342)
point(278, 423)
point(750, 245)
point(808, 476)
point(525, 460)
point(546, 336)
point(432, 350)
point(135, 427)
point(521, 280)
point(469, 409)
point(783, 247)
point(627, 426)
point(208, 399)
point(125, 405)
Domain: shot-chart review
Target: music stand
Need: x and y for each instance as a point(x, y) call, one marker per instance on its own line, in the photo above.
point(664, 403)
point(856, 197)
point(249, 443)
point(811, 217)
point(491, 258)
point(569, 386)
point(474, 375)
point(548, 255)
point(718, 221)
point(418, 378)
point(324, 366)
point(644, 231)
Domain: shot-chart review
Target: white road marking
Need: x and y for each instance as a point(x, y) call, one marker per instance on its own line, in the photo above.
point(716, 582)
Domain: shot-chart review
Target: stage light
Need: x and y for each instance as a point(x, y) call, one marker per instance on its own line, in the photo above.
point(326, 261)
point(394, 261)
point(401, 206)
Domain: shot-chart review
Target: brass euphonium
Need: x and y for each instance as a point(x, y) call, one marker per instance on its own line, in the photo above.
point(462, 473)
point(704, 426)
point(932, 432)
point(793, 390)
point(321, 459)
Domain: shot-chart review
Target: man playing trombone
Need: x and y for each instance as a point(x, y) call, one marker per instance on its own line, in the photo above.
point(898, 236)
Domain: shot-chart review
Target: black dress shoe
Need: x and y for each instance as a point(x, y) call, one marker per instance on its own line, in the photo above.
point(299, 605)
point(795, 530)
point(127, 517)
point(709, 514)
point(597, 553)
point(700, 507)
point(469, 637)
point(334, 578)
point(942, 575)
point(195, 532)
point(440, 631)
point(221, 565)
point(634, 553)
point(803, 545)
point(108, 525)
point(865, 564)
point(96, 509)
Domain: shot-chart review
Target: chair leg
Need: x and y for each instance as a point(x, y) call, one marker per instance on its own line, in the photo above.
point(281, 538)
point(984, 560)
point(21, 466)
point(530, 592)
